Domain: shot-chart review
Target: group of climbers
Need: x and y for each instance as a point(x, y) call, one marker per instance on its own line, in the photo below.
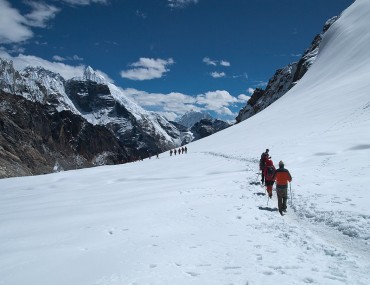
point(270, 175)
point(181, 150)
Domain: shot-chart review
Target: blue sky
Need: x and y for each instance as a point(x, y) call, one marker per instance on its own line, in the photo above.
point(170, 56)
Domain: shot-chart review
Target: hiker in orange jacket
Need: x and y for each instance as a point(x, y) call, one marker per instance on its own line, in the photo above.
point(282, 177)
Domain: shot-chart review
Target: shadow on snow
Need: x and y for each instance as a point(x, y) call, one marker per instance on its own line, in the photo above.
point(268, 209)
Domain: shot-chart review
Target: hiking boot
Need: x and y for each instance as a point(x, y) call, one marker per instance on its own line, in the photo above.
point(284, 210)
point(281, 212)
point(270, 196)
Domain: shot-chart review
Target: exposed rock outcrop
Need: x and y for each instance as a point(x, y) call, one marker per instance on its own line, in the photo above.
point(36, 139)
point(283, 80)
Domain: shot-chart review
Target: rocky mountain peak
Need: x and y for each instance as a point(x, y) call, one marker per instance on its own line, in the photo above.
point(190, 118)
point(91, 75)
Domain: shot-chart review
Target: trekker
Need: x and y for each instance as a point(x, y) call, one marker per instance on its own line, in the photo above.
point(269, 173)
point(175, 151)
point(186, 150)
point(282, 177)
point(171, 151)
point(264, 157)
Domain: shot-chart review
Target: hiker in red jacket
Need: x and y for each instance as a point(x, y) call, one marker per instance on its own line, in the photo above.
point(269, 174)
point(264, 157)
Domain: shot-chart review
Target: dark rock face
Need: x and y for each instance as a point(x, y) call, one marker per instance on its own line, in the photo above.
point(89, 96)
point(207, 127)
point(36, 139)
point(283, 80)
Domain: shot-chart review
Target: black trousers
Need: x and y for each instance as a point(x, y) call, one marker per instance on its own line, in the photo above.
point(282, 194)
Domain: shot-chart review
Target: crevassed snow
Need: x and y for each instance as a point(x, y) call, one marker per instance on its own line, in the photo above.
point(200, 218)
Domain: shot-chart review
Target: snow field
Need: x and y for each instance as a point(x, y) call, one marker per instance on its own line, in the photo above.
point(200, 221)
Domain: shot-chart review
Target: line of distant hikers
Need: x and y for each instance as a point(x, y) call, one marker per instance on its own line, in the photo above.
point(181, 150)
point(270, 175)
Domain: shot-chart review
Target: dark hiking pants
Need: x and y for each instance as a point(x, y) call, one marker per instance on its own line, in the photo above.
point(282, 194)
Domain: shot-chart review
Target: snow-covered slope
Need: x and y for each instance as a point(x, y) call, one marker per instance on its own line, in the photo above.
point(199, 218)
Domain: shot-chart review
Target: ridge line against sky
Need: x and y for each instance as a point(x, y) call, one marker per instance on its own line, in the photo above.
point(170, 56)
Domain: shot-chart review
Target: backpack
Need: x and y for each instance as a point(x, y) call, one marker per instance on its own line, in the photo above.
point(270, 173)
point(263, 160)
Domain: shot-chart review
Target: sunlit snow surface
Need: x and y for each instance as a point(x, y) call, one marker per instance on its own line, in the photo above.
point(199, 218)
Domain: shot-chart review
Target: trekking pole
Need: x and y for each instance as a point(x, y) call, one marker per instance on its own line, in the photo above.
point(258, 175)
point(291, 196)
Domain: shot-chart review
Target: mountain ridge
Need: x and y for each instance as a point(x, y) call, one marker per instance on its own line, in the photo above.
point(284, 79)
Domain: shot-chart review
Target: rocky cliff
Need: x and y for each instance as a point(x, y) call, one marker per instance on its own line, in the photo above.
point(283, 80)
point(36, 139)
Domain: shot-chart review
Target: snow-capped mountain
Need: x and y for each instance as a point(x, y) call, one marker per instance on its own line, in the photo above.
point(284, 79)
point(207, 127)
point(190, 118)
point(36, 84)
point(198, 125)
point(98, 101)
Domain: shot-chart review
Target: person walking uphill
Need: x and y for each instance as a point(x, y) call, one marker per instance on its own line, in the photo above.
point(269, 173)
point(264, 158)
point(282, 177)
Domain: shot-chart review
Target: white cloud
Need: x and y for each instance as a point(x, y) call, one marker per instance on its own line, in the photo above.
point(16, 28)
point(85, 2)
point(176, 104)
point(216, 100)
point(218, 74)
point(58, 58)
point(171, 102)
point(243, 98)
point(213, 62)
point(140, 14)
point(225, 111)
point(13, 49)
point(181, 3)
point(244, 75)
point(13, 28)
point(225, 63)
point(40, 14)
point(74, 58)
point(208, 61)
point(147, 68)
point(250, 90)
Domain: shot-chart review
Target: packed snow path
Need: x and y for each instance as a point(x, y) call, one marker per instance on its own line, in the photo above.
point(200, 221)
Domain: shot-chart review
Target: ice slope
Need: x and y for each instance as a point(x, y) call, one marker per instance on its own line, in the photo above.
point(199, 218)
